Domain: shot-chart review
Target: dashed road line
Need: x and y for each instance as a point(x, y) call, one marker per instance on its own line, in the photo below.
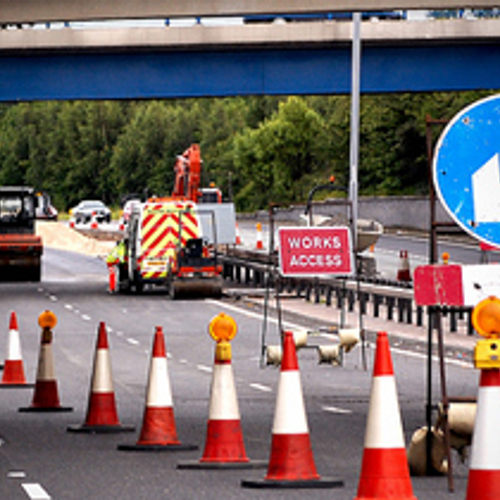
point(250, 314)
point(85, 317)
point(133, 341)
point(260, 387)
point(35, 491)
point(334, 409)
point(204, 368)
point(16, 474)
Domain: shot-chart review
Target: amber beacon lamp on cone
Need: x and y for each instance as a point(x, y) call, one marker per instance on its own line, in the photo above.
point(484, 469)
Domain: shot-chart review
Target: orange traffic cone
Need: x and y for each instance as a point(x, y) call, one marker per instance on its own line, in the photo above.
point(404, 273)
point(113, 282)
point(93, 221)
point(259, 245)
point(484, 469)
point(291, 464)
point(158, 432)
point(13, 373)
point(102, 416)
point(238, 235)
point(384, 471)
point(46, 395)
point(224, 447)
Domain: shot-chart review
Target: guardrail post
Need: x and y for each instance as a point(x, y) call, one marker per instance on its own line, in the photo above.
point(390, 308)
point(453, 321)
point(409, 311)
point(247, 275)
point(328, 295)
point(317, 293)
point(377, 300)
point(420, 316)
point(351, 298)
point(238, 273)
point(470, 327)
point(363, 299)
point(308, 292)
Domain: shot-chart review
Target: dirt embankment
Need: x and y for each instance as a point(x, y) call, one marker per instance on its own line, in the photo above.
point(59, 235)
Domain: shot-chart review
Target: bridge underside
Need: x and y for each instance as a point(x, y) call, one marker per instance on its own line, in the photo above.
point(196, 73)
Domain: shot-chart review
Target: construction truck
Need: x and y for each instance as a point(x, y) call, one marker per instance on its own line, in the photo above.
point(20, 249)
point(172, 241)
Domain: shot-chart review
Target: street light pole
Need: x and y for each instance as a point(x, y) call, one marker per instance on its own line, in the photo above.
point(354, 140)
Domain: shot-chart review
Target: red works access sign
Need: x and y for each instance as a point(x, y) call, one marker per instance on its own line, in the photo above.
point(306, 251)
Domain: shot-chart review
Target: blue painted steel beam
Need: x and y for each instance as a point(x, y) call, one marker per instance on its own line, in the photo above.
point(146, 75)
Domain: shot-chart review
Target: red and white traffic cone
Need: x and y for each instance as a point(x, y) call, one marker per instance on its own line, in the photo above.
point(113, 282)
point(72, 223)
point(404, 273)
point(158, 431)
point(224, 446)
point(259, 244)
point(291, 464)
point(13, 372)
point(484, 468)
point(238, 235)
point(94, 224)
point(384, 471)
point(46, 394)
point(102, 416)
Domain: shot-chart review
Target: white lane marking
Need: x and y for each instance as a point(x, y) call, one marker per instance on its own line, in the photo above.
point(119, 334)
point(260, 387)
point(420, 355)
point(68, 306)
point(183, 361)
point(86, 318)
point(14, 474)
point(35, 491)
point(451, 361)
point(53, 298)
point(250, 314)
point(204, 368)
point(334, 409)
point(132, 341)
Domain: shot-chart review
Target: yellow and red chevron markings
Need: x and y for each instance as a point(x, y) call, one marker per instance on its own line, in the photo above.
point(160, 234)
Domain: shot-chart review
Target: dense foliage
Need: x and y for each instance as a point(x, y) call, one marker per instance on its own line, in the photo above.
point(257, 149)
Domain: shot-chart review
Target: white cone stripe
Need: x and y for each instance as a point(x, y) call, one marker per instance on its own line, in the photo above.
point(384, 428)
point(159, 391)
point(290, 414)
point(14, 347)
point(223, 400)
point(485, 451)
point(45, 363)
point(101, 380)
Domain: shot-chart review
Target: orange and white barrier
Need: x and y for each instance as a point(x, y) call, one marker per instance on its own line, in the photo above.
point(384, 471)
point(404, 273)
point(291, 432)
point(46, 394)
point(102, 415)
point(259, 245)
point(158, 431)
point(484, 467)
point(13, 372)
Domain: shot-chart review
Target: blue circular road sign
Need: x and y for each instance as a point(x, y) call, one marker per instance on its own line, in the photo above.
point(466, 169)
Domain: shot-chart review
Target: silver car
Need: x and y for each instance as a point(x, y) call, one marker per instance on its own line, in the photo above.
point(83, 212)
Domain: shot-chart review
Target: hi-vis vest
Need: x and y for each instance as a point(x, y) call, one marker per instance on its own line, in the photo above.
point(159, 235)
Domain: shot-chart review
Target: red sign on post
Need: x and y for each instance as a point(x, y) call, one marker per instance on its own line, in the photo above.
point(306, 251)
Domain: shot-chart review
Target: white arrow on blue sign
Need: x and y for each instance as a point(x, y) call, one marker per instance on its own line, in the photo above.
point(467, 169)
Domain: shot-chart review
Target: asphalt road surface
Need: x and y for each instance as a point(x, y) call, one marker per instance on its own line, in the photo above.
point(39, 459)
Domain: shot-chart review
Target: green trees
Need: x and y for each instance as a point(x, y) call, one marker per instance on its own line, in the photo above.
point(259, 149)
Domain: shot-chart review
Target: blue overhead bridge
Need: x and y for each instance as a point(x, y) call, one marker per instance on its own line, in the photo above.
point(151, 74)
